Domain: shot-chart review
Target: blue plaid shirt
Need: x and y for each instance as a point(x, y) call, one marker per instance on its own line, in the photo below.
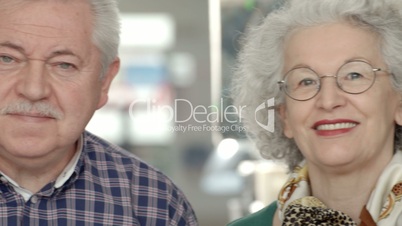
point(109, 186)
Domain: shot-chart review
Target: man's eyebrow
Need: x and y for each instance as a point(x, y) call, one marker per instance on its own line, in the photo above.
point(12, 46)
point(22, 50)
point(63, 52)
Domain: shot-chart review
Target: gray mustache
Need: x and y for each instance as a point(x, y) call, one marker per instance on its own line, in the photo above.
point(26, 107)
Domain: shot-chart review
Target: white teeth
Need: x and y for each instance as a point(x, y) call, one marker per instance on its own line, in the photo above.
point(344, 125)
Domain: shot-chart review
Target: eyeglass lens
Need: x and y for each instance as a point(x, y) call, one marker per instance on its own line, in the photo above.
point(353, 77)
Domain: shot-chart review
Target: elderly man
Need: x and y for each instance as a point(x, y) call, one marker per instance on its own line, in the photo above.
point(57, 61)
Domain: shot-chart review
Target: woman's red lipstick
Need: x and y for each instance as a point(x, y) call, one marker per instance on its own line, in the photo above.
point(334, 127)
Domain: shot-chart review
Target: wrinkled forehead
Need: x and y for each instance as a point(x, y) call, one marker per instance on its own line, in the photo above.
point(16, 4)
point(45, 24)
point(63, 13)
point(331, 44)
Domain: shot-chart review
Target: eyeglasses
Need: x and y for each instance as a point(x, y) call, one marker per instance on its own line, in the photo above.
point(303, 83)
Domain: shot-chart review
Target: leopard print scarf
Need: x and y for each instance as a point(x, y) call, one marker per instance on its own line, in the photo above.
point(296, 206)
point(311, 211)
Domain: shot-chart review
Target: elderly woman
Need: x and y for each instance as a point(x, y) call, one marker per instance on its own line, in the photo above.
point(335, 70)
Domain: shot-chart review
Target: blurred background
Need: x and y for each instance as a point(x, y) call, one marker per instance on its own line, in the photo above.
point(170, 103)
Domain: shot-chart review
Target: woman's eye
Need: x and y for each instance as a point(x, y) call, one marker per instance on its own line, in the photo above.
point(354, 76)
point(307, 82)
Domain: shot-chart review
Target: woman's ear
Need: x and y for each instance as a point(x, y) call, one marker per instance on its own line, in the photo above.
point(285, 121)
point(398, 114)
point(398, 110)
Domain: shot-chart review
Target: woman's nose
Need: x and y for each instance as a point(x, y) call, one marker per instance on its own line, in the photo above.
point(330, 96)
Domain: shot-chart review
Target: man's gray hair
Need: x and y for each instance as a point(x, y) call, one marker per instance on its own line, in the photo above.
point(106, 33)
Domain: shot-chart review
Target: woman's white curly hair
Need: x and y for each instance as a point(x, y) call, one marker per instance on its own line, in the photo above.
point(260, 61)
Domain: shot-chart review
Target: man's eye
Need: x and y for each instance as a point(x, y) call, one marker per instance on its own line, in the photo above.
point(6, 59)
point(66, 66)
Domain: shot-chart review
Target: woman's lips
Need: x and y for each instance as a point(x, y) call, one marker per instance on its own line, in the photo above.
point(342, 125)
point(334, 127)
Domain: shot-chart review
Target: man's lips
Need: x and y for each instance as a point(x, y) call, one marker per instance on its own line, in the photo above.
point(31, 115)
point(338, 124)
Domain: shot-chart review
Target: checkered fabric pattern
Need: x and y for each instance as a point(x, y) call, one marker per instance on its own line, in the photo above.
point(109, 186)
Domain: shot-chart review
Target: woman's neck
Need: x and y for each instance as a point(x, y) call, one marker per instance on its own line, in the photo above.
point(347, 192)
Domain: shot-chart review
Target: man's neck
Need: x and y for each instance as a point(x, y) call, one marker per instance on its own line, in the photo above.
point(34, 174)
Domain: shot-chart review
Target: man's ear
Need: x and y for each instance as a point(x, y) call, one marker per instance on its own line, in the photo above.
point(107, 79)
point(285, 121)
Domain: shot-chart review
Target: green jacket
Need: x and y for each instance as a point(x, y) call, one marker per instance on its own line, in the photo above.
point(263, 217)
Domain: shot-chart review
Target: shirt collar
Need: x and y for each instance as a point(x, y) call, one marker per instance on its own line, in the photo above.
point(61, 179)
point(69, 169)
